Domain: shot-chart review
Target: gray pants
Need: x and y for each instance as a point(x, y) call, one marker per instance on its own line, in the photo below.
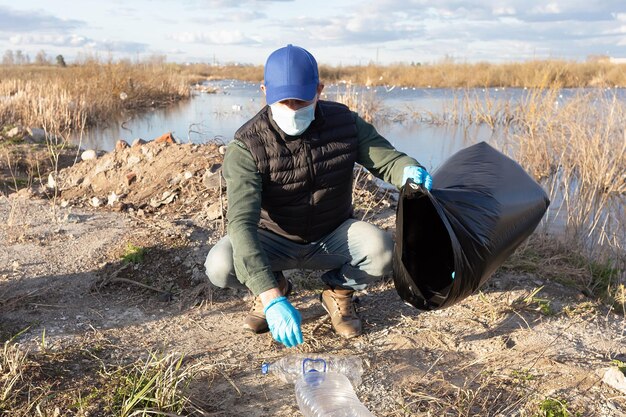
point(355, 254)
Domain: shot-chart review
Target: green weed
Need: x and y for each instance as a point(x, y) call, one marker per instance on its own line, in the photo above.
point(620, 365)
point(523, 375)
point(134, 254)
point(532, 302)
point(552, 407)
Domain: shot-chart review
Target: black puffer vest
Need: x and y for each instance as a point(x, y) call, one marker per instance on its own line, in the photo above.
point(307, 179)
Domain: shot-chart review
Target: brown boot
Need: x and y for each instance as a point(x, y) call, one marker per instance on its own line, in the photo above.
point(255, 320)
point(340, 306)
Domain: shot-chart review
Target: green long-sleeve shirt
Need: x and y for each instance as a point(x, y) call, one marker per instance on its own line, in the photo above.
point(244, 187)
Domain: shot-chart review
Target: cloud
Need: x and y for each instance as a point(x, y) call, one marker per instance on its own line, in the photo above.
point(12, 21)
point(504, 11)
point(121, 46)
point(358, 28)
point(219, 37)
point(550, 8)
point(240, 16)
point(50, 39)
point(246, 16)
point(215, 4)
point(76, 41)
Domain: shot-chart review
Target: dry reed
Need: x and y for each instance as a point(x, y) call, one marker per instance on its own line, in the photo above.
point(363, 102)
point(447, 73)
point(85, 95)
point(577, 149)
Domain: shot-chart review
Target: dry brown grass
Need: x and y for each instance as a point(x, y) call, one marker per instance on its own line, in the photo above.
point(84, 95)
point(78, 381)
point(578, 148)
point(364, 103)
point(12, 364)
point(450, 74)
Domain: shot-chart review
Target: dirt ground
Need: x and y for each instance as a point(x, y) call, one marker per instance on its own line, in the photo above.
point(505, 351)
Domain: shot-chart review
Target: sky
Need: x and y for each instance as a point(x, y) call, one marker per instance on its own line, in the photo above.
point(337, 32)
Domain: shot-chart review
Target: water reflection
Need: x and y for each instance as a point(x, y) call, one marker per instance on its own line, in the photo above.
point(209, 116)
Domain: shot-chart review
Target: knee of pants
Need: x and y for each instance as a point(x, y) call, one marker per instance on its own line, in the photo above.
point(380, 255)
point(218, 266)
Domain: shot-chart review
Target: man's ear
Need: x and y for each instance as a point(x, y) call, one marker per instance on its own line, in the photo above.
point(320, 87)
point(263, 89)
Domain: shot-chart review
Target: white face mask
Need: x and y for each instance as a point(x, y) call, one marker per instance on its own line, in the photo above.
point(293, 122)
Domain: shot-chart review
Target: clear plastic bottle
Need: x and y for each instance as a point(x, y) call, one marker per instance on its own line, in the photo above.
point(290, 368)
point(328, 394)
point(323, 383)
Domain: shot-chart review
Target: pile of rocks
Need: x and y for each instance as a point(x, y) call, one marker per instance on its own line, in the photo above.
point(158, 176)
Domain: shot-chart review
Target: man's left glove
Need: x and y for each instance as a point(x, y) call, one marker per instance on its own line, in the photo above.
point(284, 321)
point(418, 175)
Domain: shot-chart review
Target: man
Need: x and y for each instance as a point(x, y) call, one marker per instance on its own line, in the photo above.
point(288, 173)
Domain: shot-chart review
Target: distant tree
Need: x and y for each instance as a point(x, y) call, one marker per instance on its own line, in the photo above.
point(41, 58)
point(8, 58)
point(61, 61)
point(19, 57)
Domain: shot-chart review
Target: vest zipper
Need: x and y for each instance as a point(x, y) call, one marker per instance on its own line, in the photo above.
point(309, 162)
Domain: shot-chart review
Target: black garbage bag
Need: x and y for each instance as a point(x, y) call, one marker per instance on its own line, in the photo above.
point(450, 240)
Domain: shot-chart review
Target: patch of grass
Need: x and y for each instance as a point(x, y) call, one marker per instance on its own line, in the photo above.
point(12, 364)
point(565, 262)
point(585, 310)
point(487, 393)
point(532, 302)
point(134, 254)
point(149, 388)
point(552, 407)
point(77, 381)
point(522, 375)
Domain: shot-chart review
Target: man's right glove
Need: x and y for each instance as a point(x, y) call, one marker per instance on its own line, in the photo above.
point(418, 175)
point(284, 321)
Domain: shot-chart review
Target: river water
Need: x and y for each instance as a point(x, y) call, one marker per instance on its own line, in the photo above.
point(210, 116)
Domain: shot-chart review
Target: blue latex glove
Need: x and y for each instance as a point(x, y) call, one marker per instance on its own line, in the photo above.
point(284, 321)
point(418, 175)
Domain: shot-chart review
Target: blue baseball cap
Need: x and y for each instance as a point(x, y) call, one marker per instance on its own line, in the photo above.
point(290, 73)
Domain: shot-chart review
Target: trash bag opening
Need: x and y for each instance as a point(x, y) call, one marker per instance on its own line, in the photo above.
point(427, 251)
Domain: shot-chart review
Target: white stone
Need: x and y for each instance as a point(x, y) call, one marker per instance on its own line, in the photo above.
point(614, 378)
point(52, 182)
point(88, 155)
point(95, 201)
point(14, 132)
point(112, 199)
